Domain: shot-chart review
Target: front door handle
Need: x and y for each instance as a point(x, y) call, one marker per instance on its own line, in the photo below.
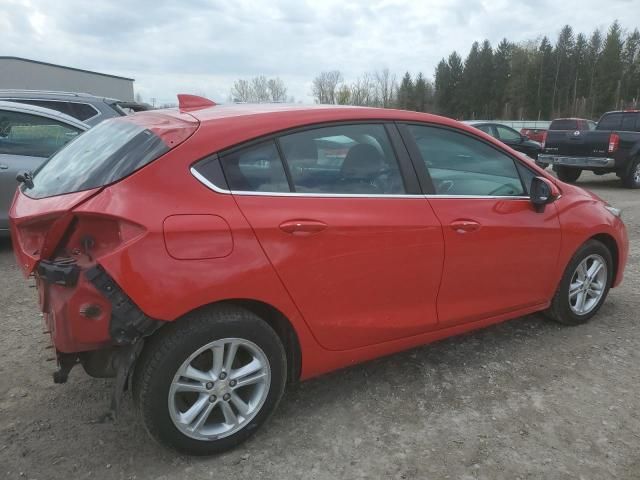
point(3, 166)
point(464, 226)
point(302, 227)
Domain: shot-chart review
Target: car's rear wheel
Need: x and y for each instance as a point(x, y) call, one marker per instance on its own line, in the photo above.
point(631, 179)
point(206, 383)
point(584, 285)
point(568, 174)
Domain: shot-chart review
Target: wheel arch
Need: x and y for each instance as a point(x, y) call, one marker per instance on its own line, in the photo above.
point(612, 246)
point(276, 320)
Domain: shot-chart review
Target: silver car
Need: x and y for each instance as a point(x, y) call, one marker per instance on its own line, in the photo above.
point(28, 136)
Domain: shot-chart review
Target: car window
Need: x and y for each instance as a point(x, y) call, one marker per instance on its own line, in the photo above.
point(629, 122)
point(32, 135)
point(506, 133)
point(610, 121)
point(486, 129)
point(81, 111)
point(257, 168)
point(343, 159)
point(565, 124)
point(592, 125)
point(462, 165)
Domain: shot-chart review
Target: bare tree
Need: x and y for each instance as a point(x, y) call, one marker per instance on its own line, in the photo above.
point(324, 87)
point(343, 96)
point(385, 87)
point(241, 91)
point(260, 89)
point(363, 91)
point(277, 90)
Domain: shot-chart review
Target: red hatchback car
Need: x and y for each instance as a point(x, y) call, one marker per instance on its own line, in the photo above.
point(211, 254)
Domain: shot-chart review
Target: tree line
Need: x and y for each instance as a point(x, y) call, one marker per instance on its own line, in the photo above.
point(580, 76)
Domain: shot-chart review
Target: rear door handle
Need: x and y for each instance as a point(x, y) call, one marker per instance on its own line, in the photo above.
point(3, 166)
point(464, 226)
point(302, 227)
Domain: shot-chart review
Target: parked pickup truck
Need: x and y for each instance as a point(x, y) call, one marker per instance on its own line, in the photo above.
point(613, 147)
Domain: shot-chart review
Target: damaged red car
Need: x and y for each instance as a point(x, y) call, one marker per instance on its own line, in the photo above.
point(208, 255)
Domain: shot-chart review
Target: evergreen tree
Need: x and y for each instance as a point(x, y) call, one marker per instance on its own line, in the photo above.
point(471, 103)
point(484, 82)
point(405, 95)
point(594, 50)
point(609, 70)
point(631, 70)
point(422, 94)
point(501, 74)
point(443, 87)
point(456, 71)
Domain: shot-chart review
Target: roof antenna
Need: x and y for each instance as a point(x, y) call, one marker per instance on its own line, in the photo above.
point(191, 102)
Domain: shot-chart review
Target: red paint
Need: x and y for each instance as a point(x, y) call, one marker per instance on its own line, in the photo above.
point(197, 237)
point(357, 278)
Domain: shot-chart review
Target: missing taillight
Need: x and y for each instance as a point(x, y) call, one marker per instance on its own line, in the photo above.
point(96, 235)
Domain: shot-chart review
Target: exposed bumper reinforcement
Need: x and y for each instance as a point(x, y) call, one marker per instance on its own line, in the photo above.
point(586, 162)
point(128, 323)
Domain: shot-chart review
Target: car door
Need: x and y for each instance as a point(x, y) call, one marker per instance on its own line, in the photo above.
point(501, 254)
point(338, 211)
point(26, 140)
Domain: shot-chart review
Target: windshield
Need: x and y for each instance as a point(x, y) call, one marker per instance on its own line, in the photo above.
point(106, 153)
point(564, 125)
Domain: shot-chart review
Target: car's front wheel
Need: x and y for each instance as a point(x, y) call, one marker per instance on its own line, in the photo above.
point(206, 383)
point(584, 285)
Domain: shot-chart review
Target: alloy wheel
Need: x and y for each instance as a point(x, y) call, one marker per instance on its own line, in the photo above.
point(219, 389)
point(588, 284)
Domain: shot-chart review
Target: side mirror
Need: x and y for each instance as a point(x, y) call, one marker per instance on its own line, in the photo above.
point(542, 192)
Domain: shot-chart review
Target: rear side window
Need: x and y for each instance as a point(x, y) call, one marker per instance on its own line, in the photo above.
point(631, 122)
point(343, 159)
point(32, 135)
point(102, 155)
point(462, 165)
point(81, 111)
point(610, 121)
point(257, 168)
point(564, 125)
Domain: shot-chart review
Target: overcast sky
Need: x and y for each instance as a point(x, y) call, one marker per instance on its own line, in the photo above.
point(202, 46)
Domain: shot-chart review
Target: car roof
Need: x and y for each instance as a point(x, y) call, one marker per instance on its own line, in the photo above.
point(53, 95)
point(281, 116)
point(43, 112)
point(224, 126)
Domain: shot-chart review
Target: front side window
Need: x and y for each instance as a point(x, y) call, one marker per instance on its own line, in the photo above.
point(32, 135)
point(343, 159)
point(462, 165)
point(486, 129)
point(257, 168)
point(505, 133)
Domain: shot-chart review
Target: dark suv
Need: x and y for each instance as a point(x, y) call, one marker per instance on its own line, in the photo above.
point(87, 108)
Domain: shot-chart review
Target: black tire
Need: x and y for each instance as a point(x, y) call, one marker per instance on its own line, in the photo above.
point(631, 178)
point(560, 309)
point(568, 174)
point(166, 351)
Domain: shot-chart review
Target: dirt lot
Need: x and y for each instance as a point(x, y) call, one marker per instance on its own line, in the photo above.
point(525, 399)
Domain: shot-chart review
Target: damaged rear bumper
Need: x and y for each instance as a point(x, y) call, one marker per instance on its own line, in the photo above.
point(85, 309)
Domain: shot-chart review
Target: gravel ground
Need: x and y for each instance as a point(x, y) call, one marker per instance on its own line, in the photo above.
point(525, 399)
